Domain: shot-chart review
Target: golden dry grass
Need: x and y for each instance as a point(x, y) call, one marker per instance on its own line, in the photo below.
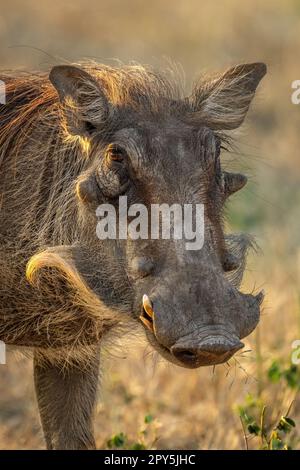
point(191, 409)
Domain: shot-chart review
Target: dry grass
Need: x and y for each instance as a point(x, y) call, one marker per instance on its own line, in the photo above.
point(191, 409)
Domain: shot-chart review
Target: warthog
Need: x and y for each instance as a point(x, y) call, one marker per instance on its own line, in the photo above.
point(83, 137)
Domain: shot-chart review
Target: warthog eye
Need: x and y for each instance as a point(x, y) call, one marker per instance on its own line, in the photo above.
point(112, 174)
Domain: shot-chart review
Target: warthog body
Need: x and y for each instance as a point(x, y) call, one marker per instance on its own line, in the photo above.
point(84, 137)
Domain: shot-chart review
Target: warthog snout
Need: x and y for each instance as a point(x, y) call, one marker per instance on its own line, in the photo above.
point(208, 346)
point(193, 334)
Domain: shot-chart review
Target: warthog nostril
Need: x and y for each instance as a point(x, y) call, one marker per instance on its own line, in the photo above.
point(185, 355)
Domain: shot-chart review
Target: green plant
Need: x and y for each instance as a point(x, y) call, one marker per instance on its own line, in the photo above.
point(255, 425)
point(146, 437)
point(117, 441)
point(290, 374)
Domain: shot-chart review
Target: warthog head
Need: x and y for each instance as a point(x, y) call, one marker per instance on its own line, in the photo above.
point(144, 141)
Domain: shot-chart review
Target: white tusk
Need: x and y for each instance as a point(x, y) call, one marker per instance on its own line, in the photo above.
point(147, 304)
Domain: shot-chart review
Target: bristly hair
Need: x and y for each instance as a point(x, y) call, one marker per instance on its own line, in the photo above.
point(30, 96)
point(40, 203)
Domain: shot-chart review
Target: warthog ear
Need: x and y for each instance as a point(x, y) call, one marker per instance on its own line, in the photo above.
point(222, 102)
point(85, 106)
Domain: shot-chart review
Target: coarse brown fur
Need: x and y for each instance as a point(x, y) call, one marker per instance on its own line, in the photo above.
point(46, 301)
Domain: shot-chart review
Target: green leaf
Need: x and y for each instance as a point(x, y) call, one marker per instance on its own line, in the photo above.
point(292, 376)
point(254, 429)
point(274, 372)
point(148, 419)
point(285, 424)
point(138, 446)
point(117, 441)
point(247, 419)
point(276, 444)
point(290, 421)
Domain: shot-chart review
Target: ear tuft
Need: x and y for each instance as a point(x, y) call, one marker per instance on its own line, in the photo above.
point(222, 102)
point(85, 106)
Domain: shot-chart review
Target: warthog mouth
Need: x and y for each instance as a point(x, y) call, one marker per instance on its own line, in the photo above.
point(208, 350)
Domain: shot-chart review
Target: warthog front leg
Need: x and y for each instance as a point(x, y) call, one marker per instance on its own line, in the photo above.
point(66, 399)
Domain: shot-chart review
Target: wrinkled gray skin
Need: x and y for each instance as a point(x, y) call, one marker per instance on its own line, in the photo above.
point(199, 316)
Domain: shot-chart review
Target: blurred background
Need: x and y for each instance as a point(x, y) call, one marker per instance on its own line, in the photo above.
point(146, 402)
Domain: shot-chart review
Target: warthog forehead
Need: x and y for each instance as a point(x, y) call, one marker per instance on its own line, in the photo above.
point(163, 142)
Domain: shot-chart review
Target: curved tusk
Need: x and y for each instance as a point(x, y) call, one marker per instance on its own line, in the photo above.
point(147, 304)
point(147, 323)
